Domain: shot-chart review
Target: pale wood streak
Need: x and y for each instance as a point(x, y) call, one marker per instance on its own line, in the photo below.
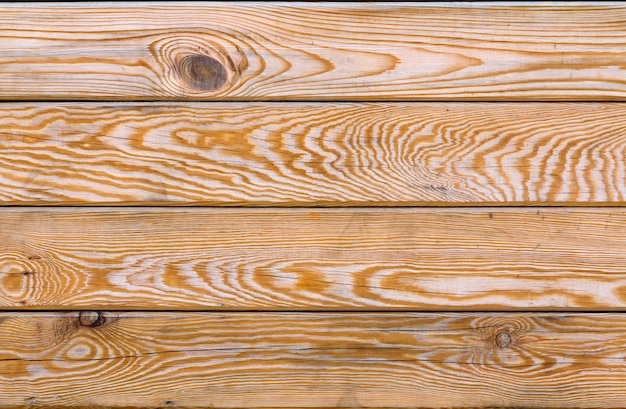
point(315, 259)
point(321, 51)
point(313, 153)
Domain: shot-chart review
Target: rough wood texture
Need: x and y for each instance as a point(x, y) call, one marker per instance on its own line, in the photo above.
point(260, 360)
point(313, 154)
point(329, 51)
point(427, 259)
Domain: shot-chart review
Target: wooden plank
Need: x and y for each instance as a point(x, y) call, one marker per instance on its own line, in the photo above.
point(316, 259)
point(321, 51)
point(258, 360)
point(313, 154)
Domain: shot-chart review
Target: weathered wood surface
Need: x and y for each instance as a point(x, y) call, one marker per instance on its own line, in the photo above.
point(235, 360)
point(326, 51)
point(313, 154)
point(357, 259)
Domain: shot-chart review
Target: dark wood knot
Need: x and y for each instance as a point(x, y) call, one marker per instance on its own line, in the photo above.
point(91, 319)
point(503, 339)
point(202, 73)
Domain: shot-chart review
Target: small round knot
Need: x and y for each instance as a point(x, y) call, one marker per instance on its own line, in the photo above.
point(503, 339)
point(90, 319)
point(202, 73)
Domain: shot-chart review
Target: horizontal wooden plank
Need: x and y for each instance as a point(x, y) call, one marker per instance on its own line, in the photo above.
point(313, 154)
point(321, 51)
point(357, 259)
point(258, 360)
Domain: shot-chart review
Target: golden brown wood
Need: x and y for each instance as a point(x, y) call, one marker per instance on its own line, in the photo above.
point(313, 154)
point(322, 51)
point(258, 360)
point(315, 259)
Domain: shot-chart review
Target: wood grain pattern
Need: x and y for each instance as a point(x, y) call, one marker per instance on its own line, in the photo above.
point(325, 51)
point(357, 259)
point(313, 154)
point(263, 360)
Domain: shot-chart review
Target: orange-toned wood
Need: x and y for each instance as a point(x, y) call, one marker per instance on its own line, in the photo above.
point(290, 360)
point(311, 154)
point(313, 259)
point(313, 51)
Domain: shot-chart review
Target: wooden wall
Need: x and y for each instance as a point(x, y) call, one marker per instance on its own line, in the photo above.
point(312, 205)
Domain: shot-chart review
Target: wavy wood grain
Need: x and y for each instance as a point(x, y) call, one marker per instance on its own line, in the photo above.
point(262, 360)
point(264, 259)
point(313, 154)
point(321, 51)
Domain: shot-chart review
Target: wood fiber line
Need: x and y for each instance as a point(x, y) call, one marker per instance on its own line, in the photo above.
point(304, 154)
point(316, 259)
point(321, 51)
point(259, 360)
